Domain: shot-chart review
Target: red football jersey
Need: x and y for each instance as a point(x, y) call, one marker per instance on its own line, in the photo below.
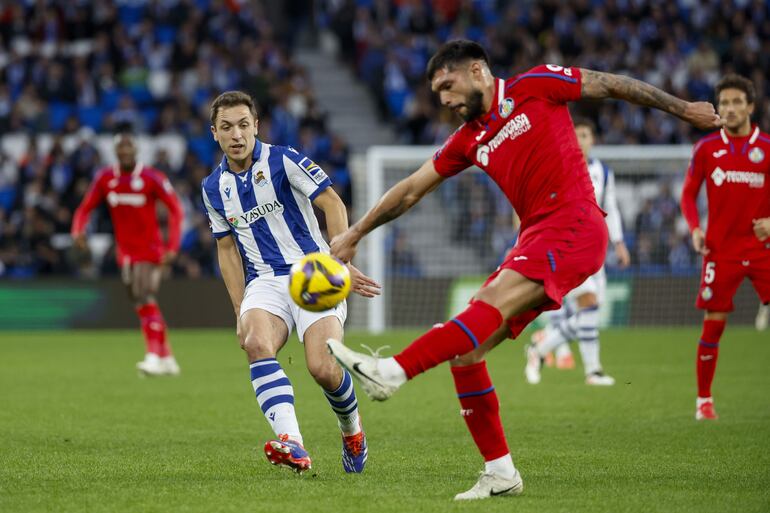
point(737, 175)
point(526, 143)
point(131, 198)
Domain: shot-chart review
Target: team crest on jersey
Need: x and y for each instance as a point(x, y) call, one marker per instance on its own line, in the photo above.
point(756, 155)
point(505, 108)
point(137, 183)
point(233, 221)
point(259, 179)
point(313, 170)
point(706, 293)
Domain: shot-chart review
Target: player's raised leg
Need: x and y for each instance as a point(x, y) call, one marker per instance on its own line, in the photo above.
point(143, 281)
point(508, 294)
point(338, 388)
point(480, 409)
point(262, 336)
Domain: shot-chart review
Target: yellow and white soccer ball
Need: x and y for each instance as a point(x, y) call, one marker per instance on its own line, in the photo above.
point(319, 282)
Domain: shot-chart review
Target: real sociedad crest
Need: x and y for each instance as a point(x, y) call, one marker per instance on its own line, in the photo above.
point(259, 179)
point(505, 108)
point(756, 155)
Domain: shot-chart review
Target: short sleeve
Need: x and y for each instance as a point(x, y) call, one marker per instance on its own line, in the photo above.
point(450, 159)
point(304, 174)
point(219, 225)
point(551, 82)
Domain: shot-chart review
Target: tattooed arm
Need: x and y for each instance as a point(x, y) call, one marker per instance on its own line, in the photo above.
point(400, 198)
point(597, 85)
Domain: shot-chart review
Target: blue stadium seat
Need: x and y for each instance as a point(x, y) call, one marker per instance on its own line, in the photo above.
point(90, 117)
point(110, 99)
point(58, 113)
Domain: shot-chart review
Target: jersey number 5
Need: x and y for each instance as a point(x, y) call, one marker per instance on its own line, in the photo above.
point(709, 273)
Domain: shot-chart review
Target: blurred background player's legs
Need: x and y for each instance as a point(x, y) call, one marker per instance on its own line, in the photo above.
point(763, 317)
point(143, 282)
point(578, 320)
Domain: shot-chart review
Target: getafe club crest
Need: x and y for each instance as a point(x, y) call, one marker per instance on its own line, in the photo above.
point(756, 155)
point(505, 108)
point(706, 293)
point(137, 183)
point(259, 179)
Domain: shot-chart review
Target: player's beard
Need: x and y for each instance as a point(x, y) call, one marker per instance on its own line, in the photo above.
point(474, 106)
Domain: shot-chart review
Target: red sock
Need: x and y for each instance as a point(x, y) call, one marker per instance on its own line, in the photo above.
point(154, 329)
point(457, 337)
point(708, 351)
point(481, 409)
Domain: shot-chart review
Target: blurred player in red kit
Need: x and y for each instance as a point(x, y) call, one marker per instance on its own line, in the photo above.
point(735, 164)
point(131, 190)
point(520, 133)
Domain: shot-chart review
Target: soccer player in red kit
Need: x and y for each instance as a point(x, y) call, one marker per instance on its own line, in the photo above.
point(131, 190)
point(735, 164)
point(520, 133)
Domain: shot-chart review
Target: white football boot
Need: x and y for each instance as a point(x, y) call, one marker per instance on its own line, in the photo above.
point(151, 365)
point(534, 364)
point(600, 379)
point(170, 366)
point(363, 367)
point(763, 316)
point(493, 485)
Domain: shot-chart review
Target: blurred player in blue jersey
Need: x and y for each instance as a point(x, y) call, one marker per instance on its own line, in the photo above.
point(259, 201)
point(578, 318)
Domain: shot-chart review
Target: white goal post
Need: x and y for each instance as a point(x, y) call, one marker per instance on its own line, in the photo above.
point(382, 166)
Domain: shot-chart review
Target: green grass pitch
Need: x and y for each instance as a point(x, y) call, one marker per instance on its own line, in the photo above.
point(79, 431)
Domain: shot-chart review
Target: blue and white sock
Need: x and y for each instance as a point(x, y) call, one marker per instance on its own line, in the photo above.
point(345, 405)
point(588, 339)
point(275, 396)
point(560, 330)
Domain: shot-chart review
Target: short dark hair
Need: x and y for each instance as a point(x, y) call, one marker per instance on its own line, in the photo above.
point(583, 121)
point(231, 99)
point(453, 53)
point(735, 81)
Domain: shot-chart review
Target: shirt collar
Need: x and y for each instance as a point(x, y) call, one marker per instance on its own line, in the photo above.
point(497, 99)
point(255, 156)
point(752, 136)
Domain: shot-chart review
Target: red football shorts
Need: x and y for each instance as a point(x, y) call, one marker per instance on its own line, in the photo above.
point(720, 280)
point(561, 252)
point(149, 254)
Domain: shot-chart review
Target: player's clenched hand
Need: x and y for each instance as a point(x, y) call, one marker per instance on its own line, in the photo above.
point(168, 257)
point(80, 243)
point(762, 228)
point(702, 115)
point(363, 285)
point(624, 258)
point(343, 246)
point(699, 241)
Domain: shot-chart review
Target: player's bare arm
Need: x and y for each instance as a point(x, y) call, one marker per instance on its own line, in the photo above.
point(336, 223)
point(597, 85)
point(400, 198)
point(232, 271)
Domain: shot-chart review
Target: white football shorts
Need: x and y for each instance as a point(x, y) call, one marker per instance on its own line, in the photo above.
point(271, 293)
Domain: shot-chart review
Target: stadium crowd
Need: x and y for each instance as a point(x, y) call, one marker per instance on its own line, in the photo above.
point(87, 67)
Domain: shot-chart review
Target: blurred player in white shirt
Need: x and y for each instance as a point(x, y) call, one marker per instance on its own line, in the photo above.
point(578, 318)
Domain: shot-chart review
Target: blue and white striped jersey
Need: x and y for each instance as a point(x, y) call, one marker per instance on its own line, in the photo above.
point(603, 180)
point(267, 208)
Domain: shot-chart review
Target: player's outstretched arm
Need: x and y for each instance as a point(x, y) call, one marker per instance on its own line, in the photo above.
point(598, 85)
point(232, 271)
point(400, 198)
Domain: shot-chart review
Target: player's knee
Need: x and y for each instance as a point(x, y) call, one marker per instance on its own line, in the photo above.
point(324, 371)
point(256, 347)
point(467, 359)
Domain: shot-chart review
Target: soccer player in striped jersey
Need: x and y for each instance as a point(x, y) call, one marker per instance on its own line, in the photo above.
point(259, 201)
point(578, 318)
point(519, 132)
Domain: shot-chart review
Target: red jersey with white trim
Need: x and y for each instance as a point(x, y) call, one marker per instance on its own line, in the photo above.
point(526, 143)
point(131, 198)
point(737, 175)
